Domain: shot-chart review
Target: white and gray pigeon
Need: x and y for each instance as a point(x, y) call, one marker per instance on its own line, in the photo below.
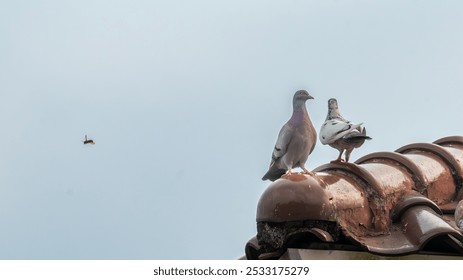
point(296, 140)
point(340, 133)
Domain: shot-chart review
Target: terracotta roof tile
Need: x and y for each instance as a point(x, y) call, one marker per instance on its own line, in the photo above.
point(387, 203)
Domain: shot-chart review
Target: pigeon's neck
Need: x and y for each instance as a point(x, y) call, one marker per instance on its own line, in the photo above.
point(333, 113)
point(299, 115)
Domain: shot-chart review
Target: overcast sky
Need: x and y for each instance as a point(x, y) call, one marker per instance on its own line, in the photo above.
point(184, 100)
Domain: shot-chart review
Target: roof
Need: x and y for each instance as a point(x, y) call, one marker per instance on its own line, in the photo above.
point(389, 204)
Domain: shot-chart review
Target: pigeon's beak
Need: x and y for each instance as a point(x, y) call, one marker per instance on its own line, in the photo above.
point(309, 96)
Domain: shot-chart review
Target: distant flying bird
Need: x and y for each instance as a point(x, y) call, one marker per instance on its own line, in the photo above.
point(296, 140)
point(88, 141)
point(340, 133)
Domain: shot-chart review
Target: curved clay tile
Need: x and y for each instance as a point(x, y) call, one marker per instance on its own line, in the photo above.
point(387, 203)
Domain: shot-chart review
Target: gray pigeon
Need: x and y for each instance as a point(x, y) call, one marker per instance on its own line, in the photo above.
point(296, 140)
point(340, 133)
point(459, 214)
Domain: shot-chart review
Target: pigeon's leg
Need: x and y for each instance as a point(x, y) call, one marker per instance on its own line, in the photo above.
point(348, 154)
point(339, 159)
point(287, 174)
point(305, 171)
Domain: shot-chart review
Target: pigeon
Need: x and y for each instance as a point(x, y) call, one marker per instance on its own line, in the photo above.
point(340, 133)
point(88, 141)
point(296, 141)
point(459, 214)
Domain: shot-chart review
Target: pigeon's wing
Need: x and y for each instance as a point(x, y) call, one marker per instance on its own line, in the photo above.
point(284, 138)
point(275, 171)
point(335, 129)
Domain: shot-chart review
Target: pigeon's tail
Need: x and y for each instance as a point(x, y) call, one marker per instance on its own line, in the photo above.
point(273, 173)
point(364, 133)
point(356, 135)
point(356, 138)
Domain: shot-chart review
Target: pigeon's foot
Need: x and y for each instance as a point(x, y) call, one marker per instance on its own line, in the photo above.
point(339, 159)
point(287, 174)
point(305, 171)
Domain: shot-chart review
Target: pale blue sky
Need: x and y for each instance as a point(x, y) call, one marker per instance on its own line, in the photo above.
point(185, 100)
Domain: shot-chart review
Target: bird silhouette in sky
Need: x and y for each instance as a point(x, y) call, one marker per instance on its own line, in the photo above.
point(88, 141)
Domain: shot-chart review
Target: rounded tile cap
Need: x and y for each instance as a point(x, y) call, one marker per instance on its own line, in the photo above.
point(294, 198)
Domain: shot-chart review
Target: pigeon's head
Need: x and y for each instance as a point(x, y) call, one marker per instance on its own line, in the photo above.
point(332, 104)
point(333, 110)
point(301, 96)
